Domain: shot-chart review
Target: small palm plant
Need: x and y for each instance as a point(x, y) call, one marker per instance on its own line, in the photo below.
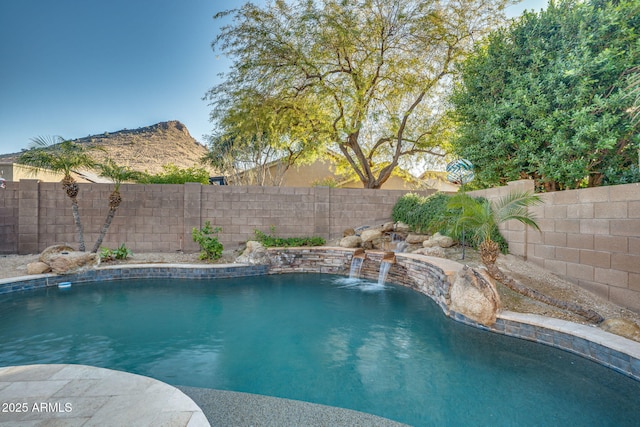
point(482, 218)
point(59, 155)
point(118, 174)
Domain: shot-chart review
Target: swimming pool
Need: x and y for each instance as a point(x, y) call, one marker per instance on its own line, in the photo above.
point(389, 352)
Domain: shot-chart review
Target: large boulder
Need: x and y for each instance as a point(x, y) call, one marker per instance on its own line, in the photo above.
point(435, 251)
point(474, 295)
point(623, 327)
point(371, 234)
point(388, 227)
point(38, 267)
point(350, 242)
point(401, 227)
point(371, 238)
point(53, 251)
point(348, 232)
point(69, 262)
point(439, 240)
point(255, 253)
point(416, 239)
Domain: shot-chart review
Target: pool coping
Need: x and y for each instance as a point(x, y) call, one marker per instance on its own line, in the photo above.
point(613, 351)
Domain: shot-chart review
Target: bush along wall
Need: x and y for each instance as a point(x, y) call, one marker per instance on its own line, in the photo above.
point(430, 214)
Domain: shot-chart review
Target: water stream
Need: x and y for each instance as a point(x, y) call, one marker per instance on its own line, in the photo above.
point(356, 266)
point(384, 270)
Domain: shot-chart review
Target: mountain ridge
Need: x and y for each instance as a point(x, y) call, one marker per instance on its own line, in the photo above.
point(144, 149)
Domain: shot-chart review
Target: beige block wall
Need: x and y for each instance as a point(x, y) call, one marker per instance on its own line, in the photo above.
point(160, 218)
point(590, 236)
point(9, 218)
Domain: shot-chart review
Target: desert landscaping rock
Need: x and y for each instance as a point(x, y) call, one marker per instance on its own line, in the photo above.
point(439, 240)
point(348, 232)
point(623, 327)
point(475, 295)
point(53, 251)
point(38, 267)
point(371, 235)
point(436, 251)
point(255, 253)
point(401, 227)
point(388, 227)
point(73, 262)
point(350, 242)
point(416, 239)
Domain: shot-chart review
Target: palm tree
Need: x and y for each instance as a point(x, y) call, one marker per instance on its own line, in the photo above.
point(119, 174)
point(482, 218)
point(59, 155)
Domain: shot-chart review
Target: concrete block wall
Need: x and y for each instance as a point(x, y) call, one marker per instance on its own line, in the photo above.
point(160, 218)
point(590, 236)
point(9, 218)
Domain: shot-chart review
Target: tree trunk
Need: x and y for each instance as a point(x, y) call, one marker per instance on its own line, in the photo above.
point(76, 220)
point(588, 314)
point(489, 251)
point(103, 231)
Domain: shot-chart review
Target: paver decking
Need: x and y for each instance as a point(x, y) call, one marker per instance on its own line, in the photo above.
point(78, 395)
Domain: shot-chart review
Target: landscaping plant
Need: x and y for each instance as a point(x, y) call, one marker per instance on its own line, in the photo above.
point(481, 218)
point(118, 174)
point(122, 252)
point(207, 238)
point(58, 155)
point(270, 240)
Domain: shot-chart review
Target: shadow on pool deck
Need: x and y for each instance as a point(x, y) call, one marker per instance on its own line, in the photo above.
point(228, 408)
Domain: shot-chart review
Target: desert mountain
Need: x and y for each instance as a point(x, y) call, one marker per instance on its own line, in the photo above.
point(144, 149)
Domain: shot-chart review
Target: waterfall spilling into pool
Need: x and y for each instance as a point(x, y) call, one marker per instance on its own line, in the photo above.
point(385, 265)
point(356, 266)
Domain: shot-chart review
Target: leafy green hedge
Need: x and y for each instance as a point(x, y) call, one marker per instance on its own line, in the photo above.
point(430, 214)
point(423, 214)
point(270, 240)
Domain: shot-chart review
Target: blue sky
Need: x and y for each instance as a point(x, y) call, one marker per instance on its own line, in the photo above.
point(82, 67)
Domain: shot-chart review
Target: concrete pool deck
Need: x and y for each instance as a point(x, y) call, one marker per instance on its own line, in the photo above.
point(79, 395)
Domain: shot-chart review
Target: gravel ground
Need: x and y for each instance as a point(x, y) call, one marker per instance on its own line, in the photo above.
point(526, 273)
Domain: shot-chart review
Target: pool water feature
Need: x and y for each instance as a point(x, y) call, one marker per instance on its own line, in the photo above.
point(387, 350)
point(356, 266)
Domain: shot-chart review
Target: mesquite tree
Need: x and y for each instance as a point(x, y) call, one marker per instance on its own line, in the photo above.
point(363, 78)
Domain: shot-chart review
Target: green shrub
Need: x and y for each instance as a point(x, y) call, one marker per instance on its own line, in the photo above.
point(210, 246)
point(172, 174)
point(270, 240)
point(422, 214)
point(405, 206)
point(122, 252)
point(430, 214)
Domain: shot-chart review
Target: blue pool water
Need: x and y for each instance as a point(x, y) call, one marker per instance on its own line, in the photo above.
point(319, 338)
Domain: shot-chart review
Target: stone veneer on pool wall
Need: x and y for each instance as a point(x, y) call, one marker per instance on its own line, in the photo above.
point(428, 275)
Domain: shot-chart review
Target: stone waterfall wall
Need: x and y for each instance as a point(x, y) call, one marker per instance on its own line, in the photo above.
point(428, 275)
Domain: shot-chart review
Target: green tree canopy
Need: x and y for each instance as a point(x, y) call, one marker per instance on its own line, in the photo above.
point(547, 98)
point(172, 174)
point(363, 78)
